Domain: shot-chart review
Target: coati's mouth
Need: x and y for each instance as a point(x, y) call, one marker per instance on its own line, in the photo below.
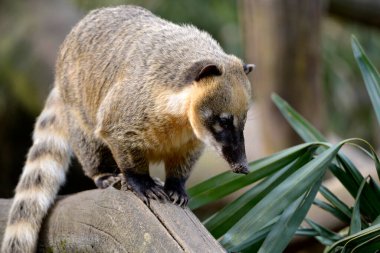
point(240, 168)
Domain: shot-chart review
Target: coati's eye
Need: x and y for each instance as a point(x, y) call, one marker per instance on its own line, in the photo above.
point(224, 122)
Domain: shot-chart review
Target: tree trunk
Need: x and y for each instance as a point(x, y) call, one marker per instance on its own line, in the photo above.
point(283, 39)
point(362, 11)
point(116, 221)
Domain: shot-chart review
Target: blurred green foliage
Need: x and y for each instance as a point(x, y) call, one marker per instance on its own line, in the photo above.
point(17, 74)
point(348, 108)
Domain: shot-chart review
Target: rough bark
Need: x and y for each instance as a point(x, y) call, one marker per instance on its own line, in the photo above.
point(283, 39)
point(116, 221)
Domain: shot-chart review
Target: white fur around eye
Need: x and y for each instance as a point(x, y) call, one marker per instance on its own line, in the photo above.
point(206, 113)
point(235, 121)
point(225, 115)
point(217, 127)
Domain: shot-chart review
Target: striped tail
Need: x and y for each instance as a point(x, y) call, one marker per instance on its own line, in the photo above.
point(43, 174)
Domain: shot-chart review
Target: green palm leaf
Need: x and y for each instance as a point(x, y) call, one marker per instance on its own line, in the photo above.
point(370, 75)
point(283, 231)
point(278, 199)
point(226, 183)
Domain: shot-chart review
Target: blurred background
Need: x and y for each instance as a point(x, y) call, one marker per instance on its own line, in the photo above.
point(301, 49)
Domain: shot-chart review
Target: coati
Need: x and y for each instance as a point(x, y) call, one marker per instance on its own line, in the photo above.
point(131, 89)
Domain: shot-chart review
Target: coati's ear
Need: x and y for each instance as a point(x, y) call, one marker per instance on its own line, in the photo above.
point(200, 70)
point(208, 70)
point(248, 68)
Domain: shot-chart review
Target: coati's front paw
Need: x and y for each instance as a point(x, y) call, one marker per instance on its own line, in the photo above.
point(144, 187)
point(178, 197)
point(175, 189)
point(106, 180)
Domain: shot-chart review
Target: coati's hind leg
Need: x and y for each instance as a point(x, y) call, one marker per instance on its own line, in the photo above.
point(104, 180)
point(95, 157)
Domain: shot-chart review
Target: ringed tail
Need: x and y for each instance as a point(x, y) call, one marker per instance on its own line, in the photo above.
point(44, 172)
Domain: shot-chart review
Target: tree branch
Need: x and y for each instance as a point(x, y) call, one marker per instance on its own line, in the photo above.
point(116, 221)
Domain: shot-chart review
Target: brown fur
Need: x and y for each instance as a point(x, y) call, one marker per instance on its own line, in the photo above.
point(130, 89)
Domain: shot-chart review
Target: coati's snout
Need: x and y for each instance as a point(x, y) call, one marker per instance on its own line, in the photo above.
point(225, 135)
point(234, 154)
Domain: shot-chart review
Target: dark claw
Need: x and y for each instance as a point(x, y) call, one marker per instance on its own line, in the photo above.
point(175, 189)
point(144, 199)
point(175, 198)
point(150, 194)
point(181, 202)
point(145, 187)
point(161, 194)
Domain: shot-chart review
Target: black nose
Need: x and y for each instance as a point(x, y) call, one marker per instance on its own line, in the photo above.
point(240, 168)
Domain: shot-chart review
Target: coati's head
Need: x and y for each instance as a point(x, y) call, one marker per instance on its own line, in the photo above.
point(218, 109)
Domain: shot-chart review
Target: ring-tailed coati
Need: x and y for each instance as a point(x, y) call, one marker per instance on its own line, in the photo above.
point(130, 89)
